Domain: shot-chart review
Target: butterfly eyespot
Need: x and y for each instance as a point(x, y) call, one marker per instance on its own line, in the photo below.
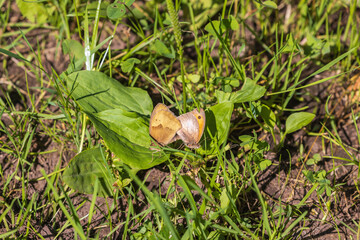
point(199, 117)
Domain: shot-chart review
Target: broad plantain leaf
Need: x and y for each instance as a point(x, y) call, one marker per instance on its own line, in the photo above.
point(73, 48)
point(217, 127)
point(136, 156)
point(83, 170)
point(127, 124)
point(298, 120)
point(119, 115)
point(76, 53)
point(96, 92)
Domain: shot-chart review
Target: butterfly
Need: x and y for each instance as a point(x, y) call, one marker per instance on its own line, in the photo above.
point(193, 125)
point(163, 125)
point(166, 128)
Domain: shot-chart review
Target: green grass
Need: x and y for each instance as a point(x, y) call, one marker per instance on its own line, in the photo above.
point(279, 156)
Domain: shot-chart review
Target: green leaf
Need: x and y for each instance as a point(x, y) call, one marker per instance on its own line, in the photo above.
point(250, 143)
point(119, 115)
point(219, 27)
point(328, 191)
point(116, 10)
point(298, 120)
point(270, 4)
point(268, 116)
point(73, 48)
point(230, 23)
point(128, 65)
point(217, 127)
point(227, 88)
point(132, 154)
point(161, 49)
point(130, 125)
point(321, 174)
point(291, 44)
point(129, 2)
point(249, 92)
point(96, 92)
point(264, 164)
point(222, 96)
point(10, 54)
point(310, 161)
point(85, 168)
point(227, 81)
point(234, 25)
point(309, 175)
point(224, 200)
point(76, 53)
point(317, 157)
point(194, 78)
point(35, 11)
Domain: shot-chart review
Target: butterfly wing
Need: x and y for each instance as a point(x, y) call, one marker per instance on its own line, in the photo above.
point(163, 124)
point(193, 125)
